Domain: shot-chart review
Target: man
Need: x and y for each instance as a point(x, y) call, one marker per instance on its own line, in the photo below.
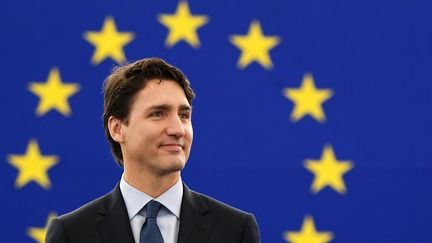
point(147, 120)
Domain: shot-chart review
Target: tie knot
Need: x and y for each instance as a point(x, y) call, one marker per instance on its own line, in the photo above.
point(153, 208)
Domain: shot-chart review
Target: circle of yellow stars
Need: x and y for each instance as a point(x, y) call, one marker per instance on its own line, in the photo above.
point(183, 26)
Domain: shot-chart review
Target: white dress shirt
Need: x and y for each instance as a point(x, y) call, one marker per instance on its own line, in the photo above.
point(168, 218)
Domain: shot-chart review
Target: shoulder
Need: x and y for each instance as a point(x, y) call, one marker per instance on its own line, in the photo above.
point(229, 224)
point(88, 212)
point(222, 208)
point(81, 221)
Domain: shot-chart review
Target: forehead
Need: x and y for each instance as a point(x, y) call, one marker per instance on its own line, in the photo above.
point(158, 92)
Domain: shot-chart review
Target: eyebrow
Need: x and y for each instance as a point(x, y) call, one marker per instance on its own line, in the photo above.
point(169, 107)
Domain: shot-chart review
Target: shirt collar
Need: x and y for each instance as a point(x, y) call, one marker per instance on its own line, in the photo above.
point(135, 200)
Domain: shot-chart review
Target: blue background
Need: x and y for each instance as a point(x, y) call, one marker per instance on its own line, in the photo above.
point(375, 55)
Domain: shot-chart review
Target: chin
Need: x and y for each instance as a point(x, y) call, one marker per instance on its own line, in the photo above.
point(179, 166)
point(174, 166)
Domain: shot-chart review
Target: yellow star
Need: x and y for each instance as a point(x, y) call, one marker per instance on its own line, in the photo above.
point(182, 25)
point(308, 99)
point(255, 46)
point(108, 42)
point(328, 171)
point(32, 166)
point(38, 234)
point(53, 94)
point(308, 234)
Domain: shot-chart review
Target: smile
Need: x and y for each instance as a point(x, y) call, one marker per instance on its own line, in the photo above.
point(172, 147)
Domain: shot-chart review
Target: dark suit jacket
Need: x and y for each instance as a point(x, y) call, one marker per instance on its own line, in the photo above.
point(202, 220)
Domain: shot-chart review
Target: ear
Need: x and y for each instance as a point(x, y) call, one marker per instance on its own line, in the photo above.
point(115, 129)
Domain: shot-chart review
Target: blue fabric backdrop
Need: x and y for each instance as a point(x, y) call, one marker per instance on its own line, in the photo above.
point(313, 115)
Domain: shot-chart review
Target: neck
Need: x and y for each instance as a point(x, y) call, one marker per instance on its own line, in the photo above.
point(150, 183)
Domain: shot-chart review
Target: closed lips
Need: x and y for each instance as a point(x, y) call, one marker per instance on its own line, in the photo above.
point(174, 145)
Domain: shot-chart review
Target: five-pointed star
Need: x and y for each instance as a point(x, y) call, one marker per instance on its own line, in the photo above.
point(53, 94)
point(308, 99)
point(308, 234)
point(108, 42)
point(38, 234)
point(255, 46)
point(183, 25)
point(328, 171)
point(32, 166)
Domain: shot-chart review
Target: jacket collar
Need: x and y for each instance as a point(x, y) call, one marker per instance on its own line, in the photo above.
point(193, 226)
point(114, 226)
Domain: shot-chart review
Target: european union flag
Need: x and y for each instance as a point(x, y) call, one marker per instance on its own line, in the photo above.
point(313, 115)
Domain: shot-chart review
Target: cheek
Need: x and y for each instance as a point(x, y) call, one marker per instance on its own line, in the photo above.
point(189, 132)
point(143, 138)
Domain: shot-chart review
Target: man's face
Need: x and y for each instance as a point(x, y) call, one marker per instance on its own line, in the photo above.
point(159, 132)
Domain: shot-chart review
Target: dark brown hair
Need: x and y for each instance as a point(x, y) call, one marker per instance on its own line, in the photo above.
point(124, 82)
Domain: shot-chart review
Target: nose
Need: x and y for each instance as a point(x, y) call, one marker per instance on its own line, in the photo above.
point(175, 127)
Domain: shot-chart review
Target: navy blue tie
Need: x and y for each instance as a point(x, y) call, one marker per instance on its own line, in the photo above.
point(150, 232)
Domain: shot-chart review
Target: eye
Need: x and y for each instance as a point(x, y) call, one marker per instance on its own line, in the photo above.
point(156, 114)
point(184, 115)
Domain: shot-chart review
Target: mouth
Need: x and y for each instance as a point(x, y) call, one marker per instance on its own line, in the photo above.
point(172, 147)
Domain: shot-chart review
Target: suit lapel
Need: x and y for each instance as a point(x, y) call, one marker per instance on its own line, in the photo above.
point(193, 226)
point(114, 225)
